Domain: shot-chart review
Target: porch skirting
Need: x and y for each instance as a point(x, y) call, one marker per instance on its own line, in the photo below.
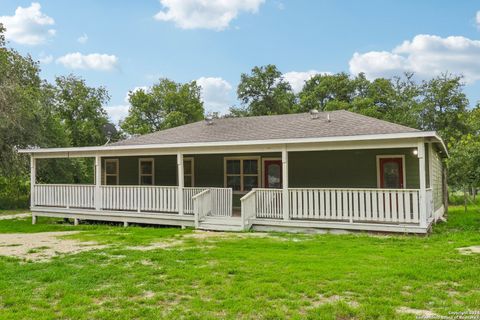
point(257, 224)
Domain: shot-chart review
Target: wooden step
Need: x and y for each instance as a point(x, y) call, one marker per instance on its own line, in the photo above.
point(219, 227)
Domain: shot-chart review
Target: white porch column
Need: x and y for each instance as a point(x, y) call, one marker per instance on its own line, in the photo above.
point(180, 182)
point(98, 182)
point(33, 181)
point(285, 198)
point(423, 180)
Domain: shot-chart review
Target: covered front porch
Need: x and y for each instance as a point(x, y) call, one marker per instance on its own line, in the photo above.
point(370, 185)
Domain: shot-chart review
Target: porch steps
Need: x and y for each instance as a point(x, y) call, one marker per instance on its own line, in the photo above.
point(221, 224)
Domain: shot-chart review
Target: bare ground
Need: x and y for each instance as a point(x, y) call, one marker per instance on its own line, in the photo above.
point(42, 246)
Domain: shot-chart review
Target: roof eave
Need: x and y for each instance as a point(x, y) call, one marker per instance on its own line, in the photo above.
point(404, 135)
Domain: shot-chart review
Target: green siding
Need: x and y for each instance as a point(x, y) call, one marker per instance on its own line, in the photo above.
point(165, 170)
point(348, 168)
point(328, 169)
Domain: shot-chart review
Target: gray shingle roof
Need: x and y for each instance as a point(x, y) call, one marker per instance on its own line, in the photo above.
point(290, 126)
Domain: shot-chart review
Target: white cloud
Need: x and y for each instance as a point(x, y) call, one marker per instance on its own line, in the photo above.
point(94, 61)
point(477, 19)
point(426, 55)
point(82, 39)
point(118, 112)
point(205, 14)
point(297, 79)
point(216, 94)
point(45, 59)
point(29, 25)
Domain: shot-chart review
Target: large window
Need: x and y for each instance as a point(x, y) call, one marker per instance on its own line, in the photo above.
point(146, 171)
point(242, 173)
point(111, 171)
point(188, 172)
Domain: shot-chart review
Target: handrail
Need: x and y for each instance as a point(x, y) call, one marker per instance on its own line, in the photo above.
point(249, 194)
point(352, 189)
point(200, 194)
point(248, 210)
point(65, 184)
point(201, 207)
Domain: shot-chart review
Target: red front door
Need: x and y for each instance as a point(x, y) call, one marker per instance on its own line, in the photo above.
point(272, 175)
point(391, 173)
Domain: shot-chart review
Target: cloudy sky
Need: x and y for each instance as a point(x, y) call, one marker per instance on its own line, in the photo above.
point(124, 45)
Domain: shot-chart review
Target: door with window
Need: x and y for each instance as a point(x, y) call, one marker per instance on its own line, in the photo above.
point(272, 174)
point(391, 172)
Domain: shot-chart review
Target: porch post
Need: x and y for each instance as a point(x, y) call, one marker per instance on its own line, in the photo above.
point(33, 181)
point(180, 182)
point(423, 187)
point(98, 182)
point(285, 202)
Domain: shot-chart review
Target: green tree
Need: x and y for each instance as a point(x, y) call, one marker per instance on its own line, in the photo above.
point(328, 92)
point(80, 108)
point(166, 104)
point(464, 164)
point(444, 107)
point(264, 92)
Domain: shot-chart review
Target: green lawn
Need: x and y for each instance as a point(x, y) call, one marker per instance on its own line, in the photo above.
point(13, 211)
point(357, 276)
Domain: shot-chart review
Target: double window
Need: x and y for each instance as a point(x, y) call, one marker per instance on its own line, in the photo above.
point(111, 171)
point(146, 174)
point(242, 173)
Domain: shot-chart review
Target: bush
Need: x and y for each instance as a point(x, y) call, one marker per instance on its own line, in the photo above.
point(14, 192)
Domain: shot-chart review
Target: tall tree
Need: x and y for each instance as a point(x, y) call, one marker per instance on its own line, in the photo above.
point(80, 108)
point(445, 106)
point(328, 92)
point(264, 92)
point(165, 105)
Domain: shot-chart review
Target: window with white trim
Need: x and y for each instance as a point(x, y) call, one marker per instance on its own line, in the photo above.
point(242, 174)
point(146, 172)
point(111, 171)
point(188, 172)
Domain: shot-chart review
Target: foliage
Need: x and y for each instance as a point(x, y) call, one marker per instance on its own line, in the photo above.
point(464, 162)
point(80, 108)
point(166, 104)
point(264, 92)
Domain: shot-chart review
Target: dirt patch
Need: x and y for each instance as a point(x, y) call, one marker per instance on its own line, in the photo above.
point(469, 250)
point(42, 246)
point(15, 216)
point(417, 312)
point(321, 300)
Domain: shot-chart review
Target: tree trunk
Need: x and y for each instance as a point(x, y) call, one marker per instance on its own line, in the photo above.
point(465, 192)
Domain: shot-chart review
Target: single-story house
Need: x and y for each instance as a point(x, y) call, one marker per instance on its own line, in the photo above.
point(317, 170)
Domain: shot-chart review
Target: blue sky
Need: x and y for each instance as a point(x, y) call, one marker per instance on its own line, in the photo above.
point(123, 45)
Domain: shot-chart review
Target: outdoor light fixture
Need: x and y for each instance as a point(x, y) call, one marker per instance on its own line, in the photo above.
point(415, 152)
point(314, 114)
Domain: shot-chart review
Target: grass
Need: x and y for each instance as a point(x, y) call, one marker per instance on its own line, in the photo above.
point(12, 211)
point(327, 276)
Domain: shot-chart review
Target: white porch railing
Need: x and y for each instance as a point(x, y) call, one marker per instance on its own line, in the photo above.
point(130, 198)
point(355, 205)
point(140, 198)
point(338, 204)
point(202, 204)
point(64, 195)
point(268, 203)
point(188, 194)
